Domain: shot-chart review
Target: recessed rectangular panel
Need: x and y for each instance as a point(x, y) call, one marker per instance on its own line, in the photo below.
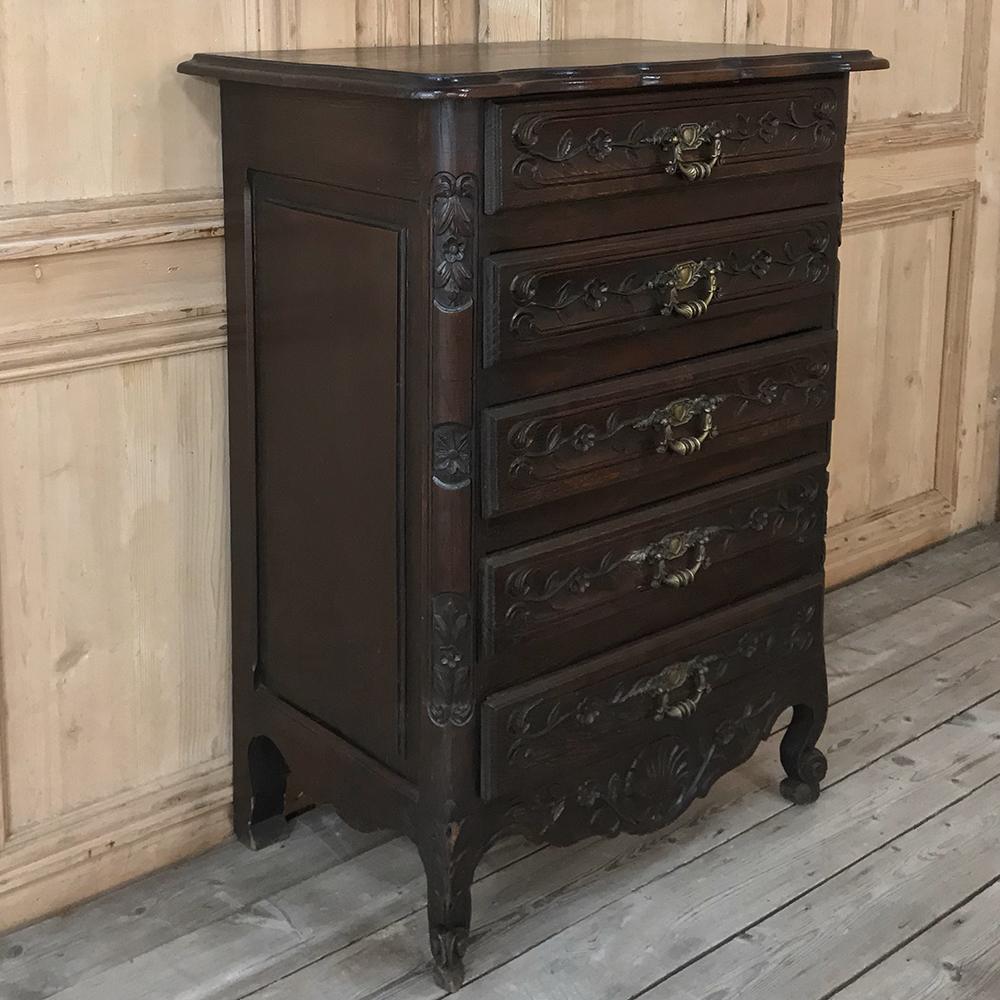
point(326, 328)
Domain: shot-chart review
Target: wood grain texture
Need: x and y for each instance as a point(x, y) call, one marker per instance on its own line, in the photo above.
point(113, 582)
point(958, 958)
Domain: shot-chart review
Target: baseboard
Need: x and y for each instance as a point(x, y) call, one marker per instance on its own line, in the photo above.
point(857, 547)
point(58, 864)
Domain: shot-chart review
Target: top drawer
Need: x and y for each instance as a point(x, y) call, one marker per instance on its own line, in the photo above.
point(562, 149)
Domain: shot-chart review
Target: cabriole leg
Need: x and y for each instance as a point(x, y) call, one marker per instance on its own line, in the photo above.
point(803, 762)
point(450, 866)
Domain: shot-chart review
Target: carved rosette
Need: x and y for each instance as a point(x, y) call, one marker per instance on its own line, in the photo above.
point(454, 208)
point(451, 456)
point(451, 695)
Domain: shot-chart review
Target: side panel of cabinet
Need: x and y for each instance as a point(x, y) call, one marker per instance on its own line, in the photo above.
point(327, 371)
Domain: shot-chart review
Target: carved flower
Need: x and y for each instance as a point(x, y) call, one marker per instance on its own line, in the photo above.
point(760, 263)
point(758, 519)
point(600, 144)
point(453, 250)
point(595, 294)
point(768, 127)
point(584, 438)
point(449, 658)
point(587, 712)
point(768, 391)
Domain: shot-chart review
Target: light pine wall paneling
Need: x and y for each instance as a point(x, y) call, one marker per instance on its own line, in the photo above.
point(91, 103)
point(292, 24)
point(594, 18)
point(113, 581)
point(681, 20)
point(978, 459)
point(513, 20)
point(905, 338)
point(934, 92)
point(443, 22)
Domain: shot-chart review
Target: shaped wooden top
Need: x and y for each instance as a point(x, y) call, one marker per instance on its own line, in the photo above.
point(505, 69)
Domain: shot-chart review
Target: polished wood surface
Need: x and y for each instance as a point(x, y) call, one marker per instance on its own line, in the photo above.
point(503, 69)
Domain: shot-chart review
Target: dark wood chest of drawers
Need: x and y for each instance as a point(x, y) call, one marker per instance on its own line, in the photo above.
point(531, 374)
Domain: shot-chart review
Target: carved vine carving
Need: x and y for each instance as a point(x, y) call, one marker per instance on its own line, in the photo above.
point(451, 693)
point(539, 596)
point(670, 691)
point(537, 444)
point(804, 256)
point(453, 213)
point(802, 120)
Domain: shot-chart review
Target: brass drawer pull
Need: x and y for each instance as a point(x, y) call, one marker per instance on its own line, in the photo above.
point(669, 284)
point(666, 419)
point(667, 550)
point(664, 686)
point(690, 138)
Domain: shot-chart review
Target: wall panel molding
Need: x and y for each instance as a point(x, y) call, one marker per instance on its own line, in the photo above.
point(916, 522)
point(963, 125)
point(47, 228)
point(71, 347)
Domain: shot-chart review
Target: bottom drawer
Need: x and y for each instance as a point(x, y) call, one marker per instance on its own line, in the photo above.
point(675, 681)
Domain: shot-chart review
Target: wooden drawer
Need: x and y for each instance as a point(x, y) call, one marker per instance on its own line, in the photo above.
point(659, 289)
point(566, 721)
point(706, 420)
point(578, 592)
point(561, 149)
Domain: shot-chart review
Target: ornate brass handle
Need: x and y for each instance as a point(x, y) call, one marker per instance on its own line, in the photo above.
point(666, 550)
point(669, 682)
point(681, 277)
point(663, 686)
point(665, 420)
point(690, 138)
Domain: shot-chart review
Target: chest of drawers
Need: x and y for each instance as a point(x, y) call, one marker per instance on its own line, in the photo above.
point(531, 372)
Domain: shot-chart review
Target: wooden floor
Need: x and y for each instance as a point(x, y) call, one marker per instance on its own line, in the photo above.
point(887, 889)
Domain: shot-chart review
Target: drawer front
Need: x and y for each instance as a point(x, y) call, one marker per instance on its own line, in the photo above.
point(559, 149)
point(583, 591)
point(666, 684)
point(701, 419)
point(554, 300)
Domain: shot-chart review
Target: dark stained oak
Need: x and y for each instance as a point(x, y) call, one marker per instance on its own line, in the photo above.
point(505, 69)
point(531, 374)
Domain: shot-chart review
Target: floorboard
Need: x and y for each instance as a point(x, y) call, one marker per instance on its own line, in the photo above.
point(745, 897)
point(958, 958)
